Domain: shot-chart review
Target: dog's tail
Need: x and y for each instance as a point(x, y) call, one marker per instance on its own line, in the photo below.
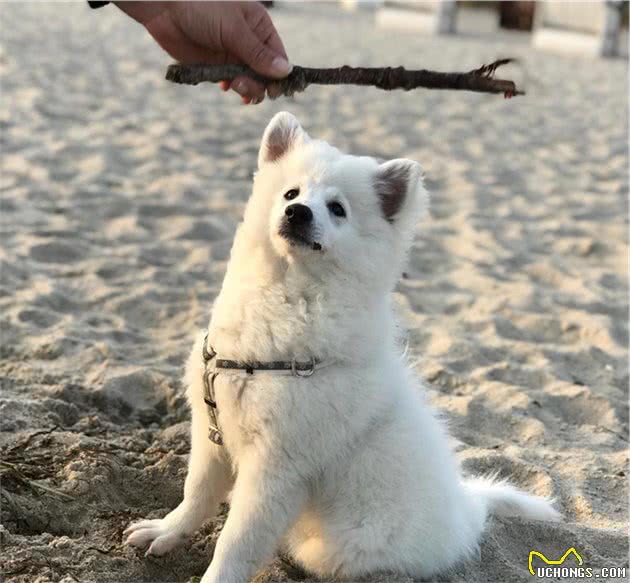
point(502, 499)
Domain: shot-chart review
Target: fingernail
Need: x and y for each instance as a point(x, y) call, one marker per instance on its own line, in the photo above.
point(281, 66)
point(239, 87)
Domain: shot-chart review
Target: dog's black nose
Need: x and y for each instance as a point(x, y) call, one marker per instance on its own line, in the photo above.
point(298, 214)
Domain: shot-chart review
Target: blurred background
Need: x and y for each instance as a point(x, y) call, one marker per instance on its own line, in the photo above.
point(120, 194)
point(597, 28)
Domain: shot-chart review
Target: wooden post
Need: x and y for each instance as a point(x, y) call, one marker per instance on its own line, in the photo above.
point(612, 28)
point(588, 28)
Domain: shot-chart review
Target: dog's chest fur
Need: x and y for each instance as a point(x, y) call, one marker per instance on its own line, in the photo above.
point(264, 323)
point(283, 320)
point(285, 317)
point(271, 322)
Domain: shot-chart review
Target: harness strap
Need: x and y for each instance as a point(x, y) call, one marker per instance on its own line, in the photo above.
point(292, 367)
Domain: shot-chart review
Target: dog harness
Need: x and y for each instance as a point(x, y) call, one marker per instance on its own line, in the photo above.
point(293, 367)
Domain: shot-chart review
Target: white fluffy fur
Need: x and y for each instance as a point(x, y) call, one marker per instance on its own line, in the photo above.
point(350, 468)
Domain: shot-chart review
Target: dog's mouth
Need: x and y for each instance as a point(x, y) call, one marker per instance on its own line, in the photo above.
point(298, 238)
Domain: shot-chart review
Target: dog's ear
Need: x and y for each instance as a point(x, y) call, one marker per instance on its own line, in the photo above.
point(398, 185)
point(282, 133)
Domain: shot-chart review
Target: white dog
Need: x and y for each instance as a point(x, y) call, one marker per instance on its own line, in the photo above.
point(326, 444)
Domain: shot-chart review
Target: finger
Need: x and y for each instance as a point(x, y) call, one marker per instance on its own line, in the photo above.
point(247, 87)
point(265, 30)
point(187, 52)
point(274, 90)
point(247, 99)
point(259, 56)
point(176, 44)
point(275, 44)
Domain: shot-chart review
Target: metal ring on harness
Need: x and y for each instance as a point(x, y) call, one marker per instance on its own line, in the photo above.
point(207, 355)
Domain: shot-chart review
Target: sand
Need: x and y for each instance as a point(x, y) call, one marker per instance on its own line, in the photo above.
point(120, 196)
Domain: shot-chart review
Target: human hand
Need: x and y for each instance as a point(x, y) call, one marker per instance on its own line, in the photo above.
point(217, 33)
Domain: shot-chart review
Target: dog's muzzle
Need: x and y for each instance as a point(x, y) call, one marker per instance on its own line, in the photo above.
point(297, 226)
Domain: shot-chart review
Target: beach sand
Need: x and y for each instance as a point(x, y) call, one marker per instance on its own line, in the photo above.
point(120, 196)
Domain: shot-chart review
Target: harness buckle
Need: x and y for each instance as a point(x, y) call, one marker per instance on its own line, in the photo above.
point(209, 375)
point(208, 384)
point(302, 373)
point(214, 434)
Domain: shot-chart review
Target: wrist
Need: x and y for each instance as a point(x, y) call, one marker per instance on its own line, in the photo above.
point(142, 12)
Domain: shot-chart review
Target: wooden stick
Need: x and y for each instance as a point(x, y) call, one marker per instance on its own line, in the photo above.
point(388, 78)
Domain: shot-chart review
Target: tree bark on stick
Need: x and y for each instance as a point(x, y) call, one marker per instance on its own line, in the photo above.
point(480, 80)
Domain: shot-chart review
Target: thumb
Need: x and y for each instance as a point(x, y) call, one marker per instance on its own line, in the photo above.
point(259, 56)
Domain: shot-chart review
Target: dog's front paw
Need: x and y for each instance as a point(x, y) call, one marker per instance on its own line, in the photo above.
point(160, 534)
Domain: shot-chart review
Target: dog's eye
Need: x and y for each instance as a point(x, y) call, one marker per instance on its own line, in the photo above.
point(291, 194)
point(336, 209)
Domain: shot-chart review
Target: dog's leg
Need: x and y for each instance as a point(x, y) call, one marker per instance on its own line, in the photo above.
point(207, 484)
point(264, 504)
